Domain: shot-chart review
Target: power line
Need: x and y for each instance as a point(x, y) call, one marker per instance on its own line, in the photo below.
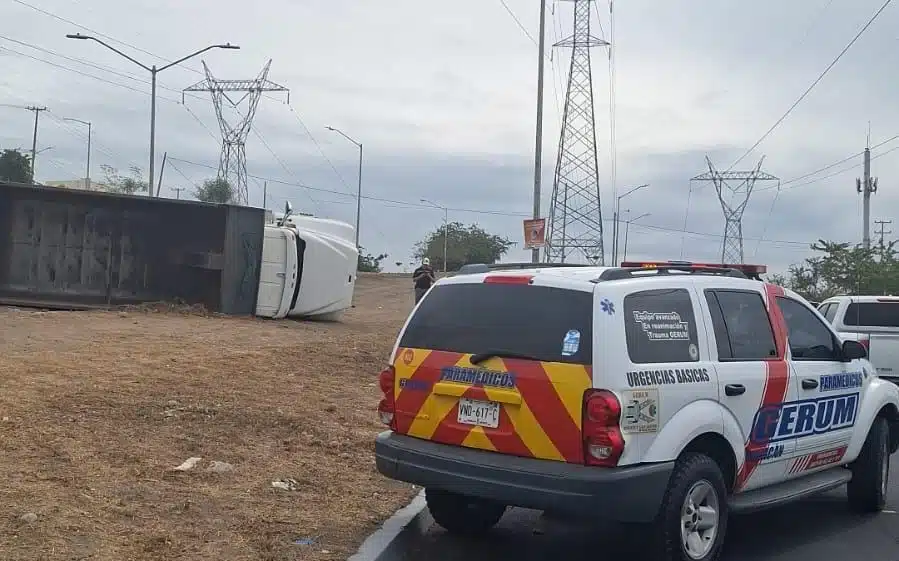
point(282, 164)
point(411, 204)
point(518, 21)
point(85, 74)
point(812, 86)
point(99, 34)
point(321, 151)
point(549, 56)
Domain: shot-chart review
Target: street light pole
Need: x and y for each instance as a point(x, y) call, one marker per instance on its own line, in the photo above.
point(445, 227)
point(87, 173)
point(627, 227)
point(616, 221)
point(359, 187)
point(153, 70)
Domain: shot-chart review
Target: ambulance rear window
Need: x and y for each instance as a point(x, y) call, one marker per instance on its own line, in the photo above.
point(872, 314)
point(548, 324)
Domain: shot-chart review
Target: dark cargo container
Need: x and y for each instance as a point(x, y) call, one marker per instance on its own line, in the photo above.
point(64, 248)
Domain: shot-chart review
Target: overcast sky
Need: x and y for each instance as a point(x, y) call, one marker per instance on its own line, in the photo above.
point(442, 95)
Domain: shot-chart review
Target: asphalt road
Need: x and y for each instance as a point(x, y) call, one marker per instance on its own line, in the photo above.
point(821, 527)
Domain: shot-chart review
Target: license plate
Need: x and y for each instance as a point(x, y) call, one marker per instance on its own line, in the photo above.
point(478, 413)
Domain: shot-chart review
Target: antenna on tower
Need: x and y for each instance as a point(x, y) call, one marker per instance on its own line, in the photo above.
point(575, 214)
point(733, 202)
point(233, 161)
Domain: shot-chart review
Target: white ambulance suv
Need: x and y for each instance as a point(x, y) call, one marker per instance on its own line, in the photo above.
point(670, 394)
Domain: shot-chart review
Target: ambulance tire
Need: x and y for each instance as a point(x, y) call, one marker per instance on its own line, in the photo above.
point(693, 475)
point(870, 471)
point(459, 514)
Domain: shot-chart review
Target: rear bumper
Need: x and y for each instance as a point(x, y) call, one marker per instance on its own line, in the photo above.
point(626, 494)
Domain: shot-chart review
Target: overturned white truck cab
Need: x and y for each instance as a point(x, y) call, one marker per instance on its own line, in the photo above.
point(308, 268)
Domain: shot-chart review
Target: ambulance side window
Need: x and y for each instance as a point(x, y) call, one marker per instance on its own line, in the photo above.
point(809, 337)
point(660, 326)
point(742, 328)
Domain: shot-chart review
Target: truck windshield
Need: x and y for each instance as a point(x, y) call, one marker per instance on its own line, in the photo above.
point(545, 323)
point(872, 314)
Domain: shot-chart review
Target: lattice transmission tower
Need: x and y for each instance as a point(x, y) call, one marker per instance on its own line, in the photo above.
point(733, 201)
point(233, 161)
point(575, 214)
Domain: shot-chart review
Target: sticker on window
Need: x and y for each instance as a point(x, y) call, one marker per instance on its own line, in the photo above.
point(694, 352)
point(663, 326)
point(571, 343)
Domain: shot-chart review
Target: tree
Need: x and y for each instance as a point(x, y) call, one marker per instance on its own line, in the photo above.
point(124, 185)
point(218, 190)
point(841, 268)
point(15, 167)
point(368, 263)
point(466, 244)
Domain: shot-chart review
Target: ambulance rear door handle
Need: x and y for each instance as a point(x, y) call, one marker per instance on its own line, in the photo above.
point(809, 384)
point(734, 390)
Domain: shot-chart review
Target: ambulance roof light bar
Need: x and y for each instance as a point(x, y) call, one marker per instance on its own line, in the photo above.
point(627, 269)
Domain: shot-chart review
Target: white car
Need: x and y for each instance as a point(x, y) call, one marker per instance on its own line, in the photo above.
point(669, 394)
point(873, 321)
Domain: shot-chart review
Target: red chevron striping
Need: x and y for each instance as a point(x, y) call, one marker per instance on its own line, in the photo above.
point(449, 431)
point(777, 377)
point(504, 438)
point(541, 397)
point(409, 403)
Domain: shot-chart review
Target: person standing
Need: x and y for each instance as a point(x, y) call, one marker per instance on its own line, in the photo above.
point(423, 277)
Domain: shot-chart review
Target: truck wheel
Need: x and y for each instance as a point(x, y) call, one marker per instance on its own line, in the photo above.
point(463, 515)
point(871, 470)
point(692, 519)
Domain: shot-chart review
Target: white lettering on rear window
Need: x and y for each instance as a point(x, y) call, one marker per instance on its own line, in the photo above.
point(663, 326)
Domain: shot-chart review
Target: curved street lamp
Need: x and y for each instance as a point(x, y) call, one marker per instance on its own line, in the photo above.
point(153, 70)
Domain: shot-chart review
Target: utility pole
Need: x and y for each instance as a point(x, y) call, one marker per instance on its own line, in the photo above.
point(538, 149)
point(37, 112)
point(177, 191)
point(265, 195)
point(882, 232)
point(866, 186)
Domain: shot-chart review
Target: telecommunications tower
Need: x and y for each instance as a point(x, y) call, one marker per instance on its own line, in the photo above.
point(233, 161)
point(733, 201)
point(575, 217)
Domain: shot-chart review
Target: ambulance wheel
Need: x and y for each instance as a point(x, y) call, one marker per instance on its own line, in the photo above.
point(867, 490)
point(692, 519)
point(459, 514)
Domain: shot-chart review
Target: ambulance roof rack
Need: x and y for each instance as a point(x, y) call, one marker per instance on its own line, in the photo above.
point(475, 268)
point(637, 269)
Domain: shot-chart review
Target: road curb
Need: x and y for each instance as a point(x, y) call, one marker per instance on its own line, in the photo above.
point(388, 541)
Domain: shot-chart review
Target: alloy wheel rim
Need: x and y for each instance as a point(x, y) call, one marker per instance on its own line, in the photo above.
point(699, 519)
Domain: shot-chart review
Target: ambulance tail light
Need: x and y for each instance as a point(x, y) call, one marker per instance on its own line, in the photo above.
point(603, 441)
point(387, 406)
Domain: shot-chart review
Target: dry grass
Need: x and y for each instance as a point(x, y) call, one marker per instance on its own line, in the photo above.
point(98, 407)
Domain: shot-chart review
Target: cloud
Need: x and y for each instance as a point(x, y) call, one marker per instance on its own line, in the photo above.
point(444, 106)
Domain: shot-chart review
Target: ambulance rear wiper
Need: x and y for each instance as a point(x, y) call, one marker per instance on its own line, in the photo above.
point(498, 353)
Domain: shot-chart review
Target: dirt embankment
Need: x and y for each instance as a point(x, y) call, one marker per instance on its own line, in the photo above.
point(96, 409)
